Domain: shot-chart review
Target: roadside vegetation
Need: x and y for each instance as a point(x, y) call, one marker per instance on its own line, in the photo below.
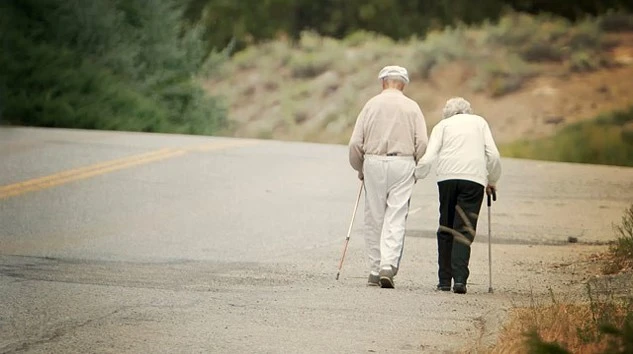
point(312, 88)
point(397, 19)
point(178, 66)
point(621, 251)
point(607, 139)
point(603, 323)
point(104, 64)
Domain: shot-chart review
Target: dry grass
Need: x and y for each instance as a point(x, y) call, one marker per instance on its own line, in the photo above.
point(575, 327)
point(621, 252)
point(601, 324)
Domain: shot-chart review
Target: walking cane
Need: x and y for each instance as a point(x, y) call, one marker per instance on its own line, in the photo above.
point(494, 197)
point(349, 231)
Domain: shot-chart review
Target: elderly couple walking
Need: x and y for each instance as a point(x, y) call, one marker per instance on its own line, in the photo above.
point(390, 150)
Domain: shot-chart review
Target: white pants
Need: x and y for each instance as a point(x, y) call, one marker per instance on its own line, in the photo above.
point(388, 186)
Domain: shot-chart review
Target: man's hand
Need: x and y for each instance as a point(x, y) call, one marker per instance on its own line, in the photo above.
point(490, 189)
point(360, 175)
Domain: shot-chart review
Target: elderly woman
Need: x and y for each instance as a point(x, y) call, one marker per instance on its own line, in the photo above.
point(468, 162)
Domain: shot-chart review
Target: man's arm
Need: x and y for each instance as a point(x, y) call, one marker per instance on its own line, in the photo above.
point(493, 159)
point(421, 137)
point(433, 149)
point(356, 144)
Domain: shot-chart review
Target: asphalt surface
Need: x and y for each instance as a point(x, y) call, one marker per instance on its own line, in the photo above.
point(130, 243)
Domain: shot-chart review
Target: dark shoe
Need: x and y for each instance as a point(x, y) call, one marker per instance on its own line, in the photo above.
point(386, 278)
point(442, 287)
point(459, 288)
point(373, 280)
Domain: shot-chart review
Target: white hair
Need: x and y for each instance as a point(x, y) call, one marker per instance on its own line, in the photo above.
point(456, 105)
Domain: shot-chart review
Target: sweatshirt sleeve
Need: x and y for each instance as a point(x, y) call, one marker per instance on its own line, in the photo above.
point(421, 138)
point(356, 143)
point(493, 159)
point(423, 167)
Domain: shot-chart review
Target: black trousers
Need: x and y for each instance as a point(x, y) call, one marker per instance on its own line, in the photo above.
point(453, 255)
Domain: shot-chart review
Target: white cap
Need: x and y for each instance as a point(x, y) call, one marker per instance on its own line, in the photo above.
point(394, 71)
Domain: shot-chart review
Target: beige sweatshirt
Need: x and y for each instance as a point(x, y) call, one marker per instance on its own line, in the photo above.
point(389, 123)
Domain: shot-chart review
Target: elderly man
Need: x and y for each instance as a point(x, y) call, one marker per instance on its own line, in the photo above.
point(389, 138)
point(468, 162)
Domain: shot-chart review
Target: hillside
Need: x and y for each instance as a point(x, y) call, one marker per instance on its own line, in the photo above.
point(527, 75)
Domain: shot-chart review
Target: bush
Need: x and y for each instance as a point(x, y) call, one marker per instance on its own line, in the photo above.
point(627, 134)
point(600, 141)
point(438, 48)
point(309, 65)
point(622, 250)
point(616, 22)
point(541, 52)
point(585, 62)
point(619, 118)
point(360, 37)
point(103, 64)
point(518, 29)
point(585, 35)
point(502, 75)
point(545, 38)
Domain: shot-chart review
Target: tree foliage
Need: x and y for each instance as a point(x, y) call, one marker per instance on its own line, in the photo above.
point(247, 21)
point(103, 64)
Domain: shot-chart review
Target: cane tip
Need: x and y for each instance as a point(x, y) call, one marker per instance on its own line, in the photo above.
point(490, 290)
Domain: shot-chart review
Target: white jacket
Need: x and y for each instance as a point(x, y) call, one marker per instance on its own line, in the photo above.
point(464, 148)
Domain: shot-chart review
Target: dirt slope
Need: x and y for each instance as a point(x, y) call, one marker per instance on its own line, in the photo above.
point(314, 92)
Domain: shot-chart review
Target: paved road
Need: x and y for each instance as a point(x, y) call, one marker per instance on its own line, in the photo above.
point(124, 242)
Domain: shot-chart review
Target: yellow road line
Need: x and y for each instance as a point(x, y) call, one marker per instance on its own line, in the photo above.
point(83, 174)
point(75, 171)
point(76, 174)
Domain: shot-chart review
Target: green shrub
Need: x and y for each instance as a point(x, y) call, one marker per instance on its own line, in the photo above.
point(308, 65)
point(512, 30)
point(627, 134)
point(360, 37)
point(599, 141)
point(538, 51)
point(438, 48)
point(501, 75)
point(620, 118)
point(246, 59)
point(545, 38)
point(518, 29)
point(310, 41)
point(104, 64)
point(585, 35)
point(585, 62)
point(614, 21)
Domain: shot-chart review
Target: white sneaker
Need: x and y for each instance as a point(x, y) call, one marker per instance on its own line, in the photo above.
point(373, 280)
point(386, 277)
